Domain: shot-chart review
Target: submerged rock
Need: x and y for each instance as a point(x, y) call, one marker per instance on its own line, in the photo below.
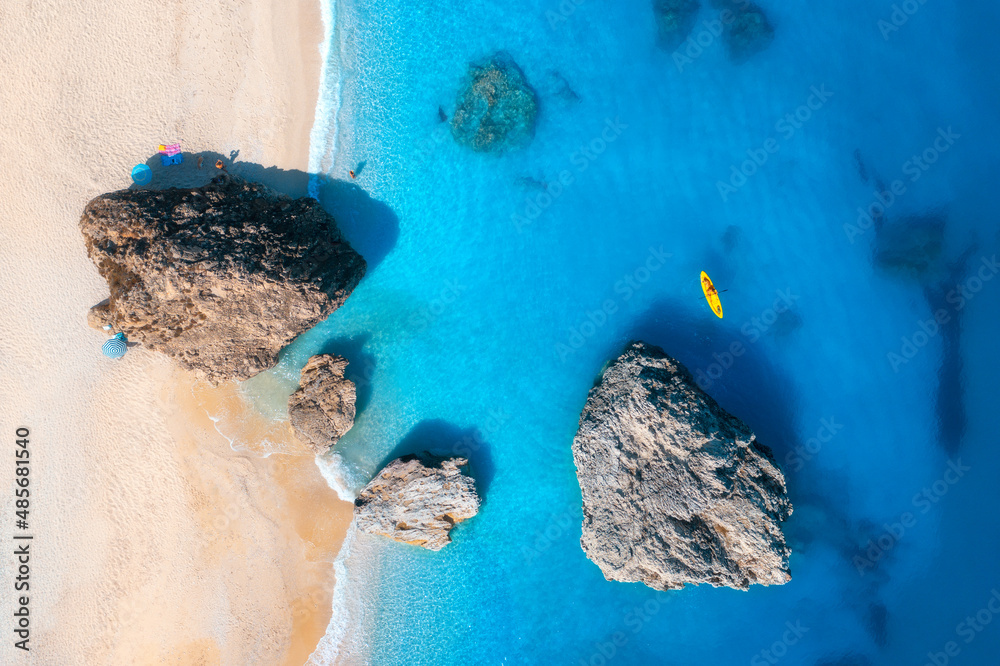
point(674, 21)
point(675, 490)
point(497, 109)
point(219, 278)
point(322, 410)
point(417, 503)
point(912, 248)
point(749, 32)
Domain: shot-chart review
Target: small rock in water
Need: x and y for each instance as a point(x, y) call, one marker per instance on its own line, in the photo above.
point(416, 502)
point(732, 237)
point(676, 490)
point(749, 33)
point(911, 247)
point(562, 88)
point(674, 21)
point(322, 410)
point(497, 109)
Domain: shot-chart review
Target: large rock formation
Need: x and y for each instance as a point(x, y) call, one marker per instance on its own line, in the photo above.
point(675, 490)
point(221, 277)
point(497, 109)
point(322, 409)
point(416, 502)
point(674, 21)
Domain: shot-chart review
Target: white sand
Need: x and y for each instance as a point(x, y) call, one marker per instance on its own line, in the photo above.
point(154, 541)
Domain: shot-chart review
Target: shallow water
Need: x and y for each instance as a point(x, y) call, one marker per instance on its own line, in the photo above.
point(491, 304)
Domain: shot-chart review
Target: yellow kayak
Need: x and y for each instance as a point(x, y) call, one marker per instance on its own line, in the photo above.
point(711, 294)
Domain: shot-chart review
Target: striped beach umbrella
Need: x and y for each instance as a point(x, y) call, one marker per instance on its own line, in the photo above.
point(115, 347)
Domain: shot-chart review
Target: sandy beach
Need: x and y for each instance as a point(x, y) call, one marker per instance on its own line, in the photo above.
point(154, 541)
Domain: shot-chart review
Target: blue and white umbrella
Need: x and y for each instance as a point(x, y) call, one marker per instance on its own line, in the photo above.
point(115, 347)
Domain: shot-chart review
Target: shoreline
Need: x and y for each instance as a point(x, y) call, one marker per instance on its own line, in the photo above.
point(161, 543)
point(290, 483)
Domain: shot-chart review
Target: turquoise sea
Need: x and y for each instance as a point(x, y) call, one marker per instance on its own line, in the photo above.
point(498, 286)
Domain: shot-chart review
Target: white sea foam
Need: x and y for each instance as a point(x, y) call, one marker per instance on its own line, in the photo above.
point(344, 477)
point(323, 138)
point(341, 476)
point(328, 648)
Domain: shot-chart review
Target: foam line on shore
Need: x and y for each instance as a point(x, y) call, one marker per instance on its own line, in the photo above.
point(323, 138)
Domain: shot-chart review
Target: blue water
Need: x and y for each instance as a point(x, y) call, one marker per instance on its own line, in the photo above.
point(490, 306)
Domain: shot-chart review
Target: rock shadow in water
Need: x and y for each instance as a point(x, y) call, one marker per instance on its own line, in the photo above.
point(436, 438)
point(912, 249)
point(750, 388)
point(859, 164)
point(877, 624)
point(369, 225)
point(732, 237)
point(360, 366)
point(950, 403)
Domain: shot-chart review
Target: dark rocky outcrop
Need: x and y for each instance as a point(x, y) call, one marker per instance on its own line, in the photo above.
point(220, 277)
point(496, 110)
point(417, 502)
point(322, 410)
point(675, 490)
point(749, 32)
point(911, 248)
point(674, 21)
